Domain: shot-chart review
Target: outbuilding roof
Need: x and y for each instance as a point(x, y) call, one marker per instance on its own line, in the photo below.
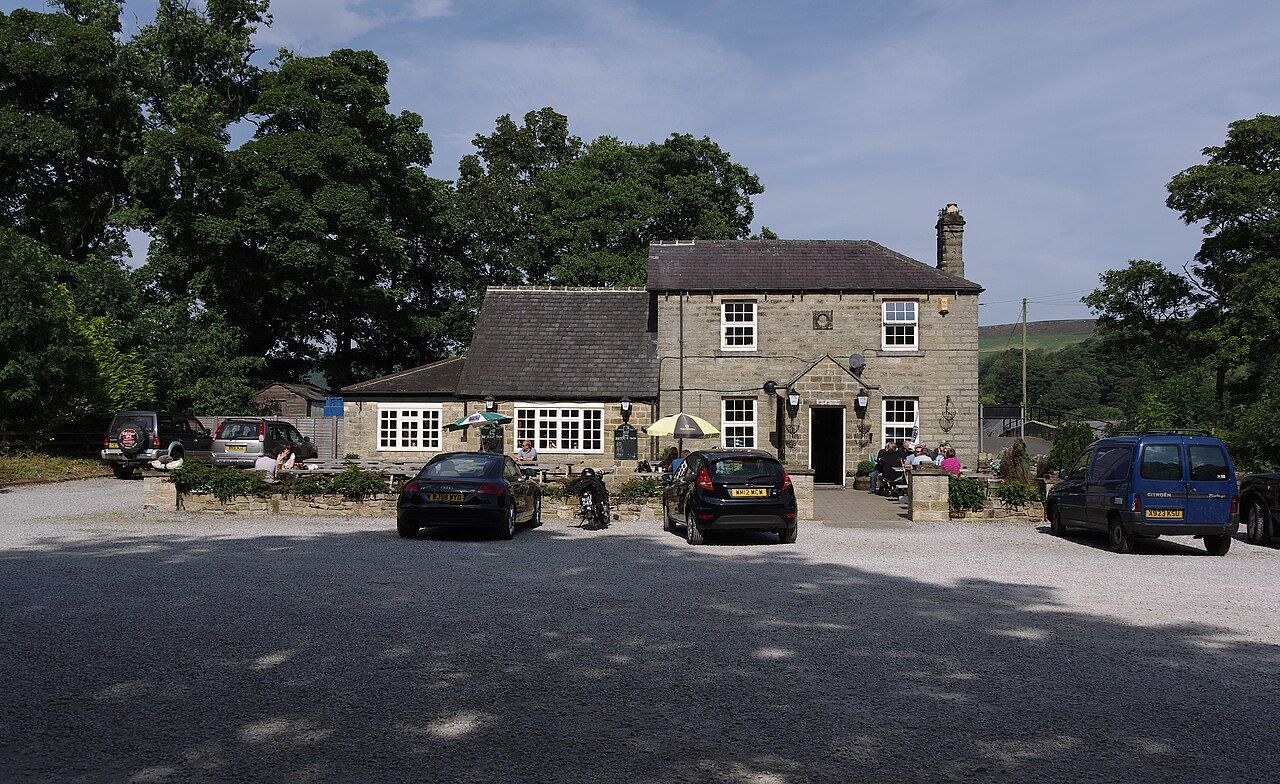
point(792, 265)
point(307, 391)
point(436, 379)
point(562, 344)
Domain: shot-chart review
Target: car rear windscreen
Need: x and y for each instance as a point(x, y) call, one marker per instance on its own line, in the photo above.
point(1208, 463)
point(747, 469)
point(138, 422)
point(1162, 462)
point(240, 431)
point(462, 467)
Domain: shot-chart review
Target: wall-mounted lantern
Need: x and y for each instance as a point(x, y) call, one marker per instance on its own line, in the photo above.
point(625, 406)
point(793, 409)
point(861, 402)
point(490, 404)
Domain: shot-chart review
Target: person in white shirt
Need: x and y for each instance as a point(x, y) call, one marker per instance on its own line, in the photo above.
point(920, 457)
point(286, 458)
point(267, 465)
point(526, 453)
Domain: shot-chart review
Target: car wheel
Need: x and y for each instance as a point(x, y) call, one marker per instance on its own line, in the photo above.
point(122, 471)
point(1121, 540)
point(406, 529)
point(1217, 544)
point(788, 535)
point(508, 529)
point(692, 534)
point(1259, 525)
point(536, 520)
point(1055, 522)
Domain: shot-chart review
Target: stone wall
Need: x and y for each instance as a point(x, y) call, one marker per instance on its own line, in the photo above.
point(928, 494)
point(787, 343)
point(361, 433)
point(311, 506)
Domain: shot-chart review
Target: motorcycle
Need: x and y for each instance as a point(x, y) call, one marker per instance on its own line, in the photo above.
point(593, 499)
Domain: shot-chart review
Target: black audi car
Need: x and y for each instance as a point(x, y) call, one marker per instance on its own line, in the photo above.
point(730, 489)
point(469, 489)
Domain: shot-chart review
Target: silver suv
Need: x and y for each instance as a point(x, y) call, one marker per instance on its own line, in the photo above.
point(136, 438)
point(240, 441)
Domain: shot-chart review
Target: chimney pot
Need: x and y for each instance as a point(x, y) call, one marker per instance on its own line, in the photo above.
point(950, 228)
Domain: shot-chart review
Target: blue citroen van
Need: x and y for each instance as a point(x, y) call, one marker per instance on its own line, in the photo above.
point(1157, 483)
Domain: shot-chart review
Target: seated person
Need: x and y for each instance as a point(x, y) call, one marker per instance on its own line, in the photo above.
point(669, 457)
point(267, 465)
point(951, 463)
point(889, 467)
point(679, 461)
point(920, 457)
point(285, 459)
point(526, 453)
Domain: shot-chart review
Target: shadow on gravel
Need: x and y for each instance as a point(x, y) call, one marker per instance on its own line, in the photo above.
point(614, 657)
point(1182, 545)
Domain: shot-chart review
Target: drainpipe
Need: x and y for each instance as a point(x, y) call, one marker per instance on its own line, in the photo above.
point(681, 378)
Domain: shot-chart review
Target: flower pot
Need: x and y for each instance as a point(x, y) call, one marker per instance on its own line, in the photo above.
point(862, 483)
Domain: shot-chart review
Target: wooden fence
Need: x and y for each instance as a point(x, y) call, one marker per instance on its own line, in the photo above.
point(325, 432)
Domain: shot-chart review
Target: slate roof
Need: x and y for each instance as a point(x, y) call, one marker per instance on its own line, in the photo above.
point(307, 391)
point(792, 265)
point(438, 378)
point(562, 344)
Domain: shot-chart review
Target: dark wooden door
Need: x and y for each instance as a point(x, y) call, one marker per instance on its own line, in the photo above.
point(826, 454)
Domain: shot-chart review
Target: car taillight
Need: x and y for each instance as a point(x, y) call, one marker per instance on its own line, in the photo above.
point(106, 441)
point(1136, 506)
point(155, 442)
point(704, 479)
point(262, 431)
point(1235, 504)
point(410, 487)
point(218, 433)
point(489, 489)
point(791, 515)
point(786, 481)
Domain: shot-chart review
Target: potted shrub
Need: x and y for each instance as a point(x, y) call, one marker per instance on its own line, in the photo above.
point(966, 495)
point(862, 480)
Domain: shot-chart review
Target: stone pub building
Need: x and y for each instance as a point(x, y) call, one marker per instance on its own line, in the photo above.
point(817, 351)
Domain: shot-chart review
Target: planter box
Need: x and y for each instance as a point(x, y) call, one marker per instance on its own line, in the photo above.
point(862, 483)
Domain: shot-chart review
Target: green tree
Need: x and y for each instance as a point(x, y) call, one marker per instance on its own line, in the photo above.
point(319, 252)
point(1071, 440)
point(68, 123)
point(536, 205)
point(44, 380)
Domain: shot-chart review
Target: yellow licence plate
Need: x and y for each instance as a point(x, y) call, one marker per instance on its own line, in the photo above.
point(235, 447)
point(751, 492)
point(447, 498)
point(113, 445)
point(1165, 514)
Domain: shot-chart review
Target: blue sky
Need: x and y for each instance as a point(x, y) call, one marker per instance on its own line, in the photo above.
point(1054, 125)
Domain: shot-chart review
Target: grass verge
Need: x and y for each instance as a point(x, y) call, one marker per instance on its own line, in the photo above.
point(32, 469)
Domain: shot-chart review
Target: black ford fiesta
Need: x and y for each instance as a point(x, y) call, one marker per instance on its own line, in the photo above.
point(738, 489)
point(469, 489)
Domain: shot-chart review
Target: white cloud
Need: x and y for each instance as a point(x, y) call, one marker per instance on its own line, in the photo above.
point(317, 25)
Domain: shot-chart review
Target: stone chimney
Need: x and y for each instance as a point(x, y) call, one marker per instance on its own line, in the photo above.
point(951, 241)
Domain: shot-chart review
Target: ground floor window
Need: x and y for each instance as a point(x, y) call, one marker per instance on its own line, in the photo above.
point(738, 422)
point(561, 428)
point(901, 419)
point(409, 428)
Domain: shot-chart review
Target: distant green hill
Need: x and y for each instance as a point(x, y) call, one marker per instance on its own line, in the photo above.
point(1048, 336)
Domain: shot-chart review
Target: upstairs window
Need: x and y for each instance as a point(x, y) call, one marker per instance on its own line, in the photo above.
point(738, 326)
point(899, 321)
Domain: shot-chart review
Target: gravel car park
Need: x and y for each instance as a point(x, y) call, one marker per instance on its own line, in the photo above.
point(144, 646)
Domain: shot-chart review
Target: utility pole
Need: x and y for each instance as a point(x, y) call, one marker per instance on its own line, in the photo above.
point(1022, 427)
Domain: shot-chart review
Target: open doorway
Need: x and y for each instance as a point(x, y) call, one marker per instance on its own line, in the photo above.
point(826, 445)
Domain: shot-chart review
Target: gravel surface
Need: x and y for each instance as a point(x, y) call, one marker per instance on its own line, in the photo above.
point(167, 647)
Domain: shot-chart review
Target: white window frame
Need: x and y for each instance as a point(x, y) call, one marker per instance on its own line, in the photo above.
point(546, 423)
point(739, 425)
point(894, 317)
point(751, 324)
point(426, 420)
point(898, 428)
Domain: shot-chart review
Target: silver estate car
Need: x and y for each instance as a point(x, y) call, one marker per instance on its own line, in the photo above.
point(241, 441)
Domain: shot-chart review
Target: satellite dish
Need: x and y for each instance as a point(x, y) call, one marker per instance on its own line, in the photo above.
point(771, 387)
point(856, 363)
